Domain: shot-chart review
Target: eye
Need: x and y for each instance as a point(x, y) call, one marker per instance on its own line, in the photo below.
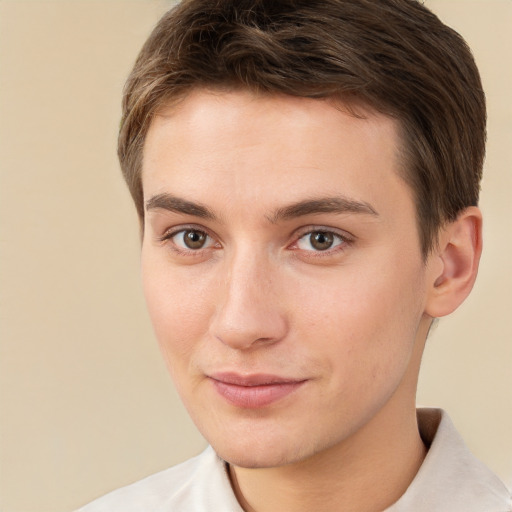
point(191, 239)
point(319, 241)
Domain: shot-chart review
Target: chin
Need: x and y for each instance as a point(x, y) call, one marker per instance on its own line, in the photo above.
point(252, 460)
point(260, 453)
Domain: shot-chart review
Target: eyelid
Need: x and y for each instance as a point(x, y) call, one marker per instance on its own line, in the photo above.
point(299, 233)
point(347, 238)
point(175, 230)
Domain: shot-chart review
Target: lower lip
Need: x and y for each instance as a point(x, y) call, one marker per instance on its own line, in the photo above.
point(255, 397)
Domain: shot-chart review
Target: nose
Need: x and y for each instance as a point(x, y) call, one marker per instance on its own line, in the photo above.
point(250, 311)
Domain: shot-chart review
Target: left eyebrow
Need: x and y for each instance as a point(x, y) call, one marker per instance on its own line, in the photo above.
point(338, 205)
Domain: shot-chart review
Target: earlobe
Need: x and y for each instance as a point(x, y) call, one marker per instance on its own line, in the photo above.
point(455, 263)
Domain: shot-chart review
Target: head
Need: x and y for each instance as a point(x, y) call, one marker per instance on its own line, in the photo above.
point(306, 174)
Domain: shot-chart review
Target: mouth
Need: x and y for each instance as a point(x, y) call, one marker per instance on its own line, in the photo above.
point(253, 391)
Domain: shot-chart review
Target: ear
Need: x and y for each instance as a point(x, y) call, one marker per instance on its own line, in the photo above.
point(454, 263)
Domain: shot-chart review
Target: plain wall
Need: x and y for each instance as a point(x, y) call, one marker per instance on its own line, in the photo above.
point(86, 404)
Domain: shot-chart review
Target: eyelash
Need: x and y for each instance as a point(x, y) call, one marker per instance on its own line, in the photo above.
point(169, 235)
point(344, 241)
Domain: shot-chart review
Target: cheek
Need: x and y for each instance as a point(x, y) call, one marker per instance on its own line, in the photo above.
point(179, 304)
point(364, 322)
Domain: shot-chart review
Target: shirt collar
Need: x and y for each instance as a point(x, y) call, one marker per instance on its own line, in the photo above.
point(450, 479)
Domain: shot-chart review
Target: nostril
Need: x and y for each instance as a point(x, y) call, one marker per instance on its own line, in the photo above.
point(250, 328)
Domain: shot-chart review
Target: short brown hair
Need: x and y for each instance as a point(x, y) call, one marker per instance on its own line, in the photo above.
point(393, 55)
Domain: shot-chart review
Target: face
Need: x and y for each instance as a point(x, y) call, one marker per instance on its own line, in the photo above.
point(282, 270)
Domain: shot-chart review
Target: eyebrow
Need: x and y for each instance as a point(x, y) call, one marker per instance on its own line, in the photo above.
point(179, 205)
point(337, 204)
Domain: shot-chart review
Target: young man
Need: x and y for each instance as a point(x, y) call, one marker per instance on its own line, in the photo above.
point(306, 175)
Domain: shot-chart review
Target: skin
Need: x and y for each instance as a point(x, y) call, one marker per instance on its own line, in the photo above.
point(238, 172)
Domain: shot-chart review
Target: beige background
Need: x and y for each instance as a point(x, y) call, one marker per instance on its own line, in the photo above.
point(86, 405)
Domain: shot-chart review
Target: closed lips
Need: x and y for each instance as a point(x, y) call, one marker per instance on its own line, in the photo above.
point(254, 391)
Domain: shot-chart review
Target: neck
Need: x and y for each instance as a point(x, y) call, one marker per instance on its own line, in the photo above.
point(367, 472)
point(357, 476)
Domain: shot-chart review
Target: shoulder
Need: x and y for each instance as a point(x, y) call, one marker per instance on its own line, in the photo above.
point(192, 485)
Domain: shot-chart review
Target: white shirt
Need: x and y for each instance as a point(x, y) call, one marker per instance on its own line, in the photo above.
point(450, 479)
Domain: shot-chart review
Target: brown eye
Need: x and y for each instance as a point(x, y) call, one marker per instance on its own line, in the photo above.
point(317, 241)
point(321, 241)
point(193, 239)
point(190, 239)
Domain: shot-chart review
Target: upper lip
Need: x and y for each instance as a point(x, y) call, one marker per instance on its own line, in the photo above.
point(256, 379)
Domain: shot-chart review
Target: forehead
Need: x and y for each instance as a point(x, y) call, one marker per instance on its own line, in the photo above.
point(270, 148)
point(247, 112)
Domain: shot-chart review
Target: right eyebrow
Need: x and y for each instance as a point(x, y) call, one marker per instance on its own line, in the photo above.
point(179, 205)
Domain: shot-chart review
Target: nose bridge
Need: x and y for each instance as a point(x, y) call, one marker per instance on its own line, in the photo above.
point(249, 311)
